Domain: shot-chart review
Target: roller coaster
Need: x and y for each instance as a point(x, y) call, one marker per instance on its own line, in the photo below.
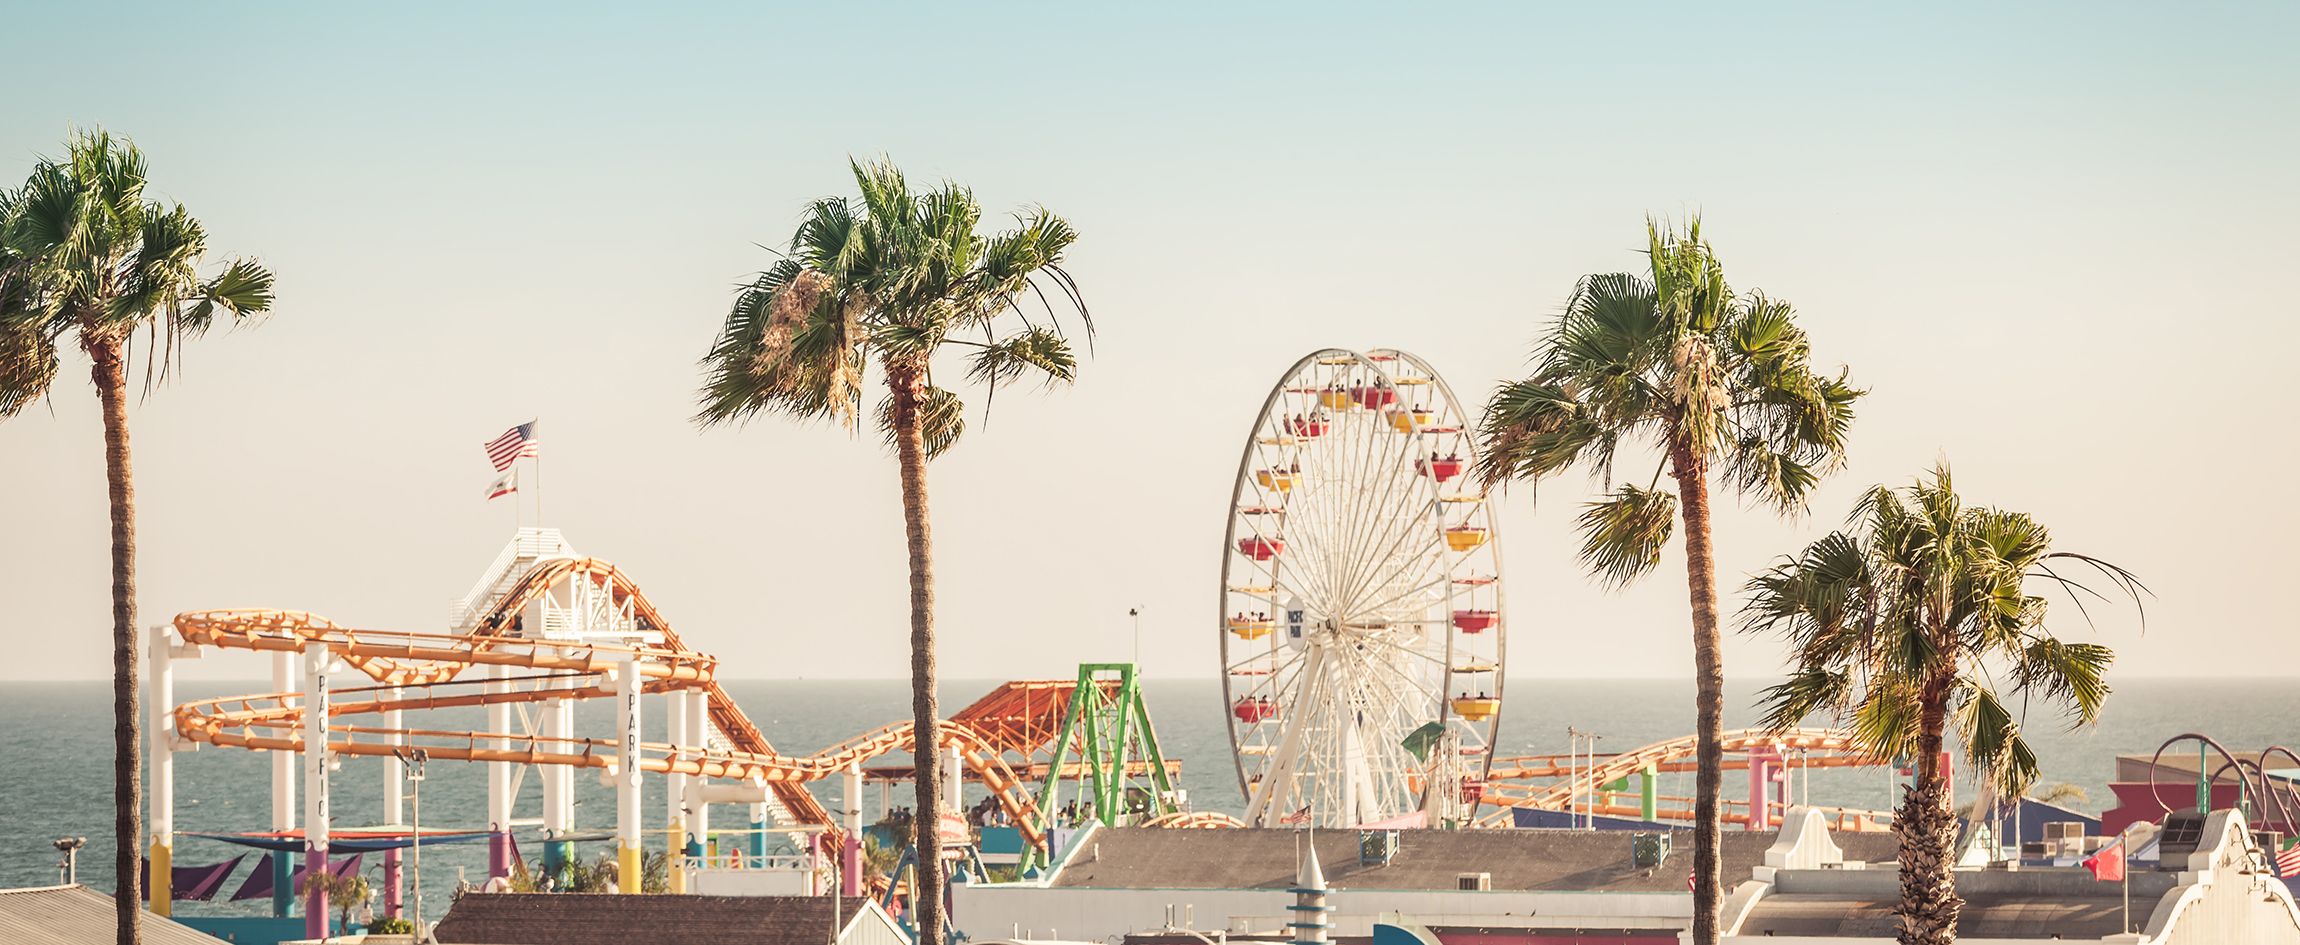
point(547, 628)
point(1599, 785)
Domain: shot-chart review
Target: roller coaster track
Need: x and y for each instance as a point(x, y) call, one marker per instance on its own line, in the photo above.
point(431, 664)
point(1507, 787)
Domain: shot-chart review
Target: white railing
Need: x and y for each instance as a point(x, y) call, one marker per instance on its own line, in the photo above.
point(524, 548)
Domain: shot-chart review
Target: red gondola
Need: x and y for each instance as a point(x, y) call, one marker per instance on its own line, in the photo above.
point(1475, 621)
point(1260, 548)
point(1441, 468)
point(1251, 709)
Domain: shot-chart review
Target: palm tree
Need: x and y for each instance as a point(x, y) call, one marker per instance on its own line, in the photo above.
point(1917, 615)
point(85, 257)
point(897, 278)
point(1717, 383)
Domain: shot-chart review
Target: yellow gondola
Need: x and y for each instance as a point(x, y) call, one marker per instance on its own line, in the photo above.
point(1464, 537)
point(1476, 708)
point(1250, 629)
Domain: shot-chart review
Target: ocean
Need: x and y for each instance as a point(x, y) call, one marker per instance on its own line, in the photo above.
point(55, 743)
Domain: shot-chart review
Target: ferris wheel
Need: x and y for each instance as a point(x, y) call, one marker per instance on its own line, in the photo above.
point(1362, 638)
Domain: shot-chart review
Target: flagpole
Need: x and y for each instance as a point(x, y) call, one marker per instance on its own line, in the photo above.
point(2124, 859)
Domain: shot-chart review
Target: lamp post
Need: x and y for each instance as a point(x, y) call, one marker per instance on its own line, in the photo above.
point(70, 864)
point(413, 761)
point(1136, 613)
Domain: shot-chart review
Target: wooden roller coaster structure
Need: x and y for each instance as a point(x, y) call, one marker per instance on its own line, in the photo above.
point(425, 671)
point(1561, 782)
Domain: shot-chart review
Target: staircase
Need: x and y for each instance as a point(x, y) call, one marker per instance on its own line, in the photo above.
point(527, 547)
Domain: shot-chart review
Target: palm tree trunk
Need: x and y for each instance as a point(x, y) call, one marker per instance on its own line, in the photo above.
point(908, 388)
point(1692, 477)
point(127, 722)
point(1926, 829)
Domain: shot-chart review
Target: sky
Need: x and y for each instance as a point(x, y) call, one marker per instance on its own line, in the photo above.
point(2054, 240)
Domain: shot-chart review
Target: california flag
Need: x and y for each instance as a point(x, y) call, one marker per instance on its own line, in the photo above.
point(503, 485)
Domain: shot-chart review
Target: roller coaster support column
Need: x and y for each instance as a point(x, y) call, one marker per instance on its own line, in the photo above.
point(698, 806)
point(850, 856)
point(675, 788)
point(1763, 764)
point(558, 788)
point(160, 735)
point(756, 842)
point(1649, 793)
point(499, 778)
point(1109, 726)
point(627, 854)
point(316, 667)
point(283, 793)
point(394, 808)
point(954, 774)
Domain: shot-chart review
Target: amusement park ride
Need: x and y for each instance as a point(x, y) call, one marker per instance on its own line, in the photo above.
point(1362, 645)
point(546, 628)
point(1362, 641)
point(1363, 636)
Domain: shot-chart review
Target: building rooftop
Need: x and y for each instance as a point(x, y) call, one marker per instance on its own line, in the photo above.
point(77, 915)
point(1552, 860)
point(1984, 916)
point(601, 919)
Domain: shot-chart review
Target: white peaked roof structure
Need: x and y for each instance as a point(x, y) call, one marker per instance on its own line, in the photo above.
point(1312, 922)
point(1311, 878)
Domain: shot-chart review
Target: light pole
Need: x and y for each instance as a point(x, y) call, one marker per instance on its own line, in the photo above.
point(1136, 613)
point(414, 764)
point(70, 864)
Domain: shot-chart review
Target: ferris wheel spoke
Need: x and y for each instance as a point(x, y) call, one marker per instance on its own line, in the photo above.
point(1376, 499)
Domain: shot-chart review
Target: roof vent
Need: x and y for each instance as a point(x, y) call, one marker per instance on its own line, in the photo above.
point(2183, 831)
point(1473, 882)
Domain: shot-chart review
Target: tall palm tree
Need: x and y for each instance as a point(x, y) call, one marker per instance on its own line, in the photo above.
point(1918, 615)
point(1716, 384)
point(897, 278)
point(86, 258)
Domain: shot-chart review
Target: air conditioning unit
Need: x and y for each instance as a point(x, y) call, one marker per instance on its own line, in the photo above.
point(1377, 847)
point(1648, 850)
point(2064, 830)
point(1474, 882)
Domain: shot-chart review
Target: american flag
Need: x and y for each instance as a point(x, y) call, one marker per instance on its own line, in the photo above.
point(2288, 862)
point(514, 443)
point(1298, 817)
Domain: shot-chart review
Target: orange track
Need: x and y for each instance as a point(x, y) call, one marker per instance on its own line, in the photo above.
point(1021, 718)
point(1823, 748)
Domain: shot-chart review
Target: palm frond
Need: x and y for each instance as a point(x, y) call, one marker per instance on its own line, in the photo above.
point(1038, 350)
point(1622, 536)
point(1993, 745)
point(1531, 430)
point(27, 364)
point(1809, 691)
point(941, 420)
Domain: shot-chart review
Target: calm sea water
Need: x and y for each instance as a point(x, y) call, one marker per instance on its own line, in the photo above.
point(55, 744)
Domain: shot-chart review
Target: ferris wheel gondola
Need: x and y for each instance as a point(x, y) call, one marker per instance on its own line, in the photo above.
point(1362, 632)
